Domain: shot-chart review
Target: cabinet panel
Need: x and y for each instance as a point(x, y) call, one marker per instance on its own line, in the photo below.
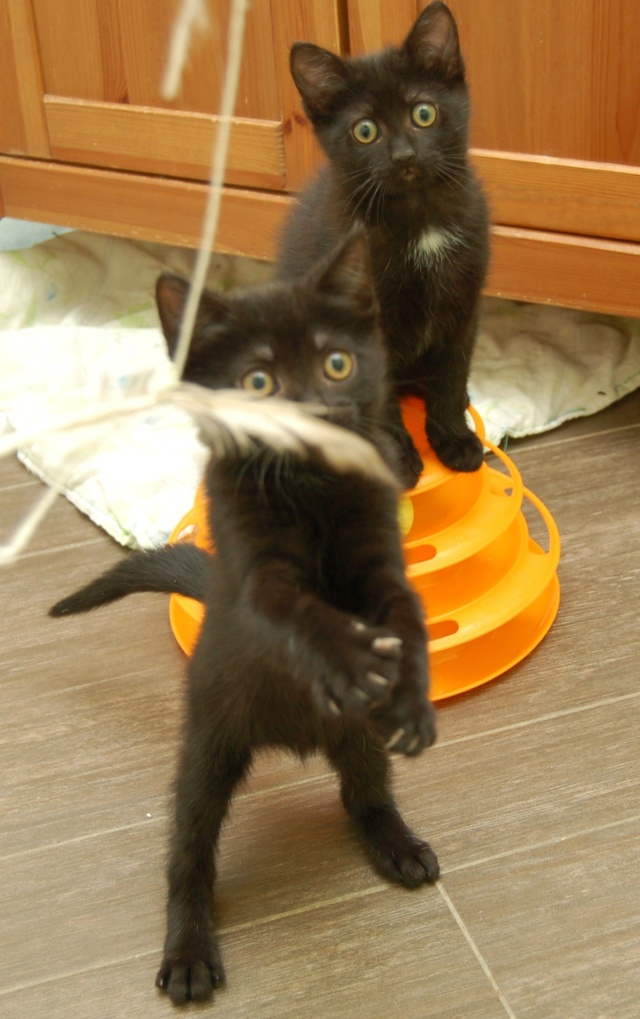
point(22, 121)
point(594, 199)
point(312, 21)
point(100, 55)
point(556, 79)
point(119, 51)
point(555, 268)
point(146, 28)
point(133, 205)
point(80, 51)
point(373, 26)
point(164, 142)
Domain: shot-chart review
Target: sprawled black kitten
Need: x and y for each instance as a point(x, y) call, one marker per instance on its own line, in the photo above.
point(312, 637)
point(394, 126)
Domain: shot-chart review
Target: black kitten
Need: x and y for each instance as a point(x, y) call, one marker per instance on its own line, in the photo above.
point(312, 637)
point(394, 126)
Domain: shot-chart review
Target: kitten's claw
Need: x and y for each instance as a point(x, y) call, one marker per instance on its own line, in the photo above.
point(333, 707)
point(384, 645)
point(394, 739)
point(406, 730)
point(190, 980)
point(373, 677)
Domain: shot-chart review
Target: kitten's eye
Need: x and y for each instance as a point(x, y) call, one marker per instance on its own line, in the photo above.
point(424, 114)
point(259, 382)
point(338, 365)
point(365, 131)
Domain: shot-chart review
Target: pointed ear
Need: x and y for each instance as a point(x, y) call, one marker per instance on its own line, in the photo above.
point(319, 75)
point(433, 42)
point(349, 276)
point(171, 297)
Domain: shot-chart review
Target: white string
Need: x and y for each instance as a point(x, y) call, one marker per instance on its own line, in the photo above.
point(192, 14)
point(219, 158)
point(24, 532)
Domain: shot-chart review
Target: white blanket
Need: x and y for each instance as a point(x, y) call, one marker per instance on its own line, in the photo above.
point(78, 323)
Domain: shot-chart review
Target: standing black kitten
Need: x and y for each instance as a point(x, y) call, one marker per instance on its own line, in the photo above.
point(312, 637)
point(394, 126)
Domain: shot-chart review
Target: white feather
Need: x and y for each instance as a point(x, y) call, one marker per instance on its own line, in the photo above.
point(230, 416)
point(230, 419)
point(230, 422)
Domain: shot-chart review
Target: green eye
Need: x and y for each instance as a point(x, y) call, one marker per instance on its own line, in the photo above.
point(259, 382)
point(338, 365)
point(365, 131)
point(424, 114)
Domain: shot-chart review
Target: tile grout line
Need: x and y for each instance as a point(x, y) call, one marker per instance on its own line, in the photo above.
point(549, 717)
point(545, 844)
point(534, 446)
point(52, 549)
point(335, 900)
point(96, 967)
point(476, 951)
point(18, 485)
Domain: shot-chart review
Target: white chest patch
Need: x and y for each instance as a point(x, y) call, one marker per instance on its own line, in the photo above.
point(434, 243)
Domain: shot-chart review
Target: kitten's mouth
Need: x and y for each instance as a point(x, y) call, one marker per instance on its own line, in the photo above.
point(409, 173)
point(344, 416)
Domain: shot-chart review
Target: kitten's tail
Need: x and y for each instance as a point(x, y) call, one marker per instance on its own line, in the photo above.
point(180, 568)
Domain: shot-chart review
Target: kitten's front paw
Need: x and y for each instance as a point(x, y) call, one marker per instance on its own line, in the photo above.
point(406, 728)
point(410, 465)
point(191, 977)
point(367, 667)
point(458, 452)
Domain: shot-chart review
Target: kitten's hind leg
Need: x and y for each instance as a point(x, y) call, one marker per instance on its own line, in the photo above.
point(208, 774)
point(361, 761)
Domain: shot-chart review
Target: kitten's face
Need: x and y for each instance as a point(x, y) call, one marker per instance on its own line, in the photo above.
point(315, 342)
point(395, 123)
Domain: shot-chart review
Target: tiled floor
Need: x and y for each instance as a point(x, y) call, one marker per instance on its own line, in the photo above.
point(530, 798)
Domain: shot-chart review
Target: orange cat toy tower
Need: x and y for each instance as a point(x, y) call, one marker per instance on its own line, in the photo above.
point(489, 590)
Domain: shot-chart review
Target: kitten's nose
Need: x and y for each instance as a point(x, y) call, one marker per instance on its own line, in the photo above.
point(402, 153)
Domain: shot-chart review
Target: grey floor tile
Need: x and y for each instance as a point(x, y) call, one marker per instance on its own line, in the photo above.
point(559, 927)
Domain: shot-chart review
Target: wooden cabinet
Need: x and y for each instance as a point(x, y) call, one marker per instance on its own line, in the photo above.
point(80, 87)
point(86, 139)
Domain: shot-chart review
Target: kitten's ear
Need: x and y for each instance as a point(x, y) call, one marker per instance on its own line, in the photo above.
point(433, 42)
point(319, 75)
point(171, 297)
point(349, 274)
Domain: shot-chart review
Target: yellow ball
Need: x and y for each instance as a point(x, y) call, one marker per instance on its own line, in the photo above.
point(405, 515)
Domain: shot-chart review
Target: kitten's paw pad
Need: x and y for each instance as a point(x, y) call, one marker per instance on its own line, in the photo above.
point(458, 452)
point(367, 662)
point(190, 980)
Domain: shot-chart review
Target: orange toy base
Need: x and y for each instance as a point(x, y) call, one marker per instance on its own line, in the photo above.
point(490, 591)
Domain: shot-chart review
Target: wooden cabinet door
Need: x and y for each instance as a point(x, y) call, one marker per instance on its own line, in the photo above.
point(88, 74)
